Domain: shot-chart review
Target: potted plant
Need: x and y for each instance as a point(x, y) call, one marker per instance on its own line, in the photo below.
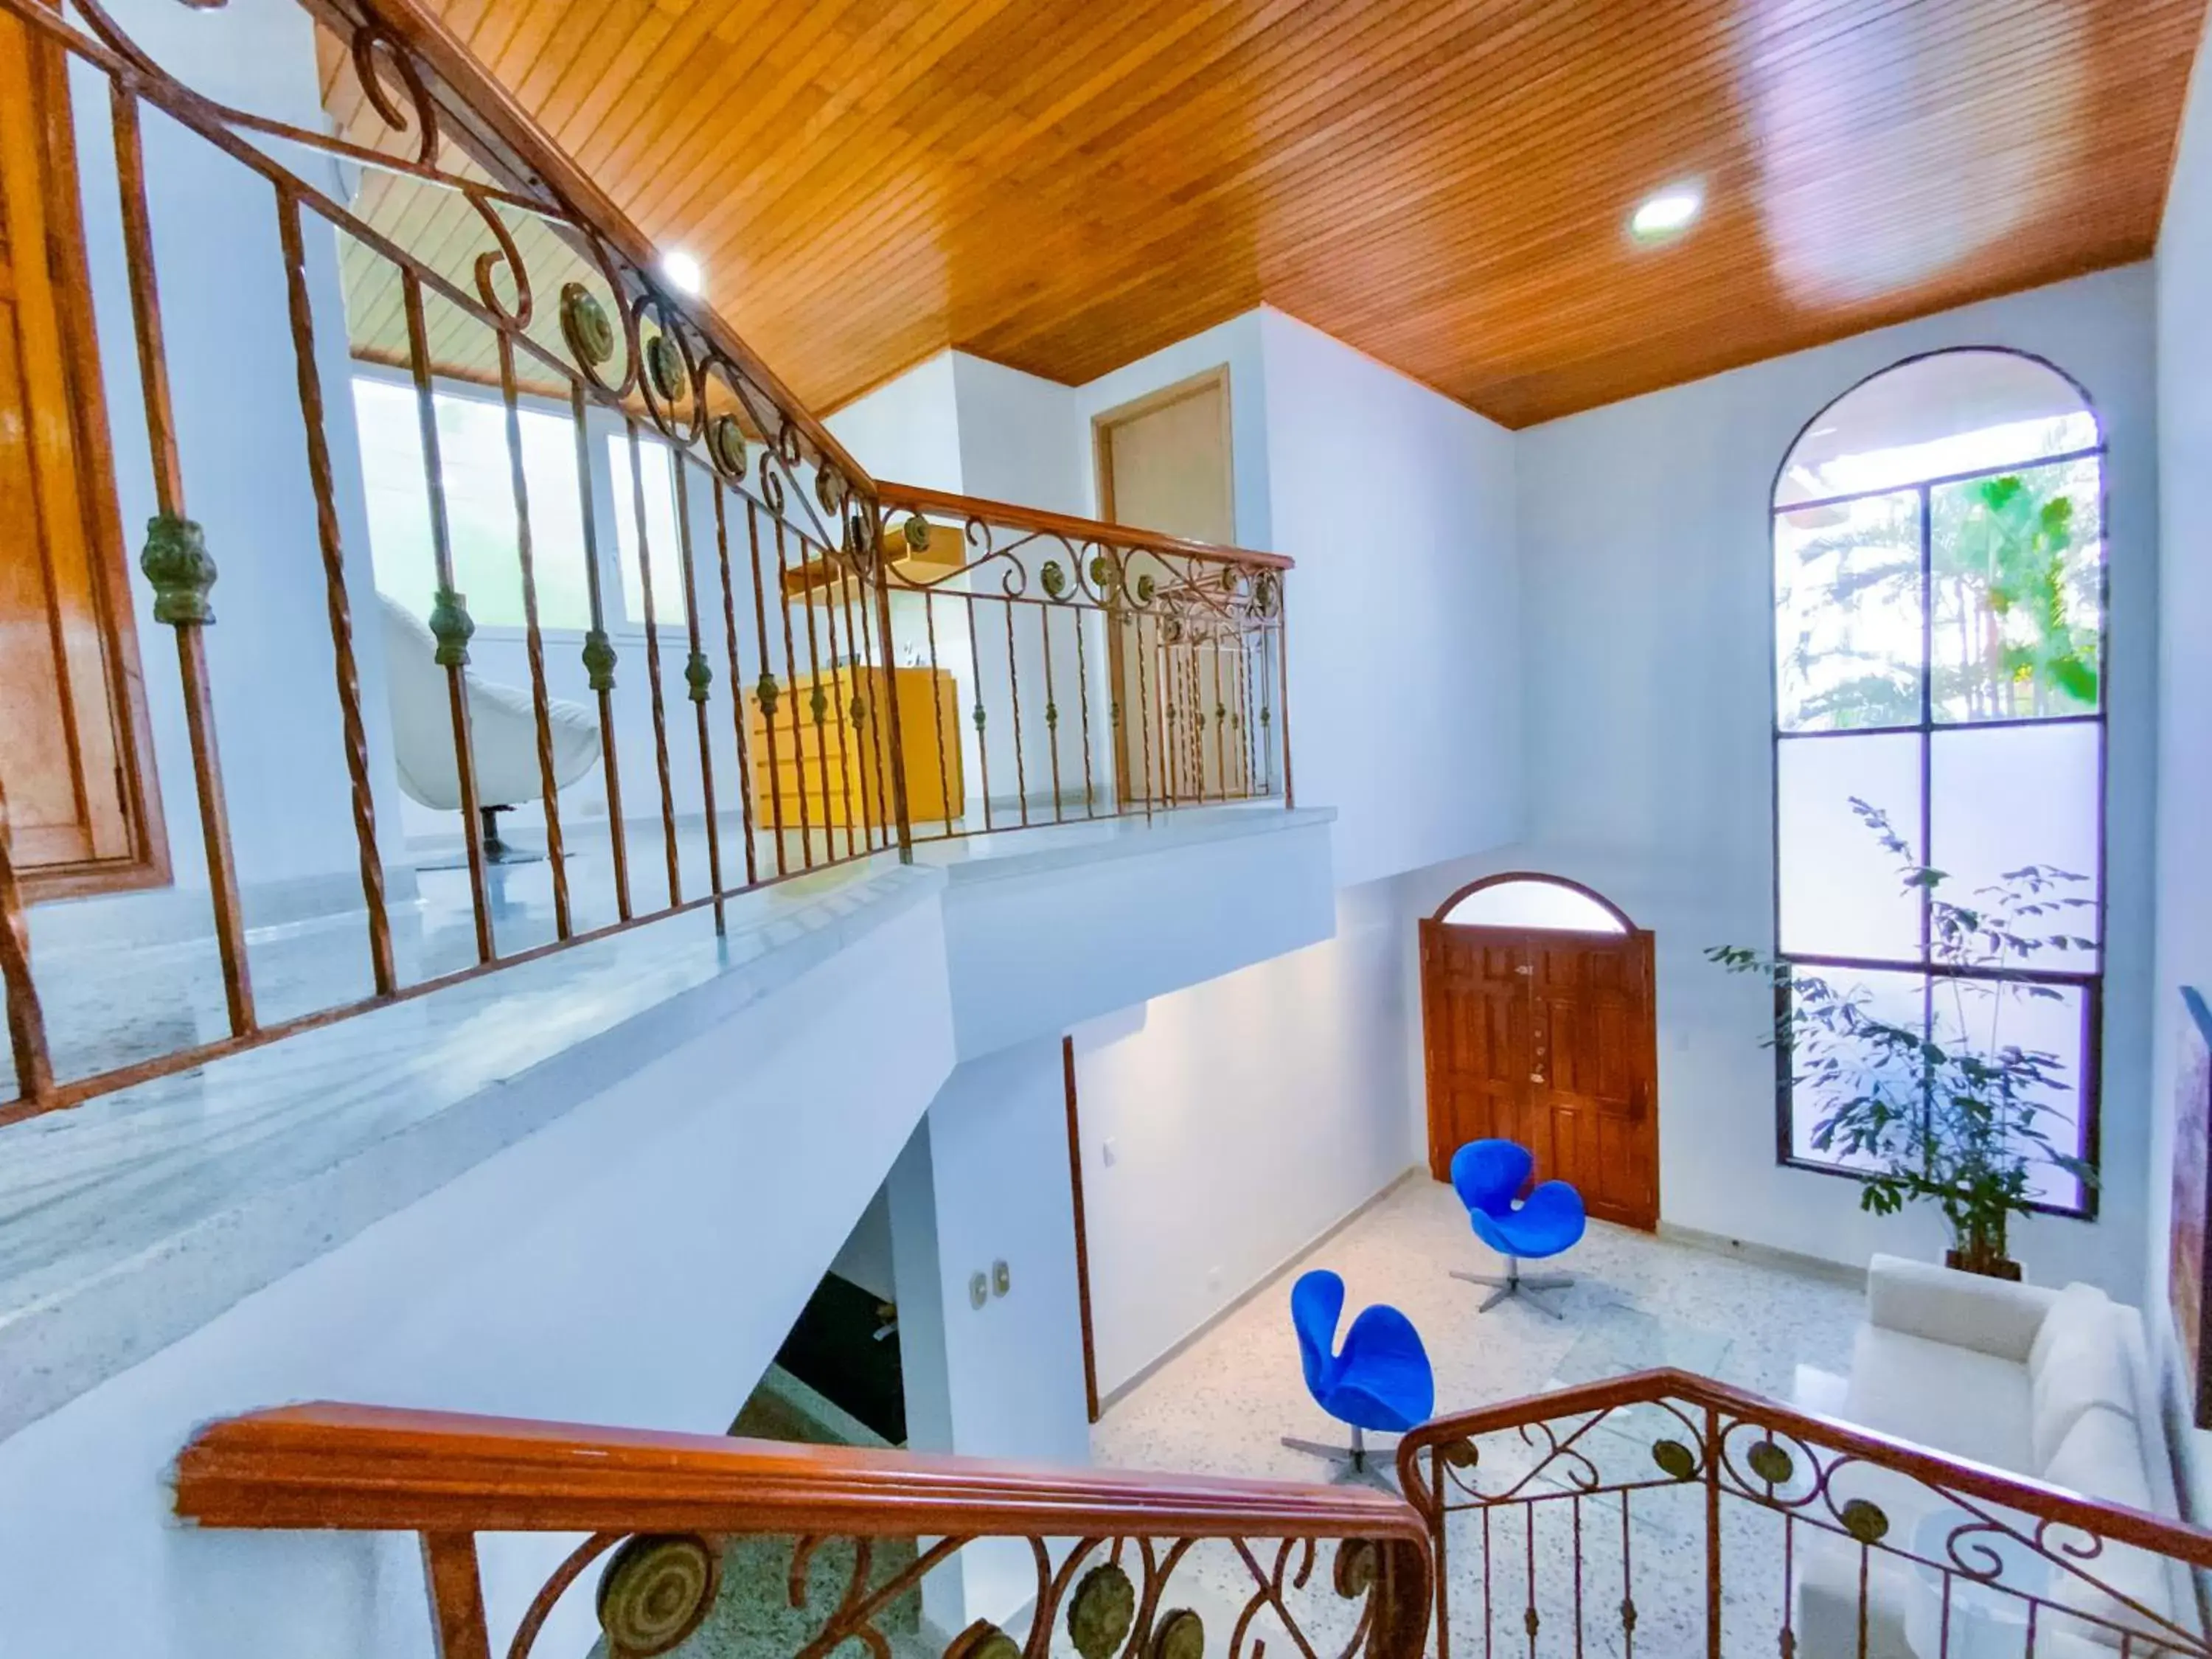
point(1952, 1114)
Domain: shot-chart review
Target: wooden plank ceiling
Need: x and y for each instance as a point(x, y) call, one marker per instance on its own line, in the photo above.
point(1065, 186)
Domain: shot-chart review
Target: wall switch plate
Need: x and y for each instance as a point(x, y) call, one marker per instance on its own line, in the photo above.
point(1106, 1153)
point(1002, 1279)
point(979, 1290)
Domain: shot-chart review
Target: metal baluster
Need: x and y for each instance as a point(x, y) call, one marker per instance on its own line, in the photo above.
point(856, 702)
point(457, 1608)
point(698, 676)
point(1627, 1586)
point(27, 1021)
point(1489, 1623)
point(841, 693)
point(1051, 704)
point(1442, 1535)
point(1082, 693)
point(1577, 1503)
point(600, 657)
point(1712, 1533)
point(1144, 710)
point(952, 809)
point(336, 602)
point(1530, 1620)
point(889, 721)
point(764, 694)
point(1014, 696)
point(653, 668)
point(449, 616)
point(737, 680)
point(819, 699)
point(791, 680)
point(983, 741)
point(541, 706)
point(176, 561)
point(891, 727)
point(1220, 721)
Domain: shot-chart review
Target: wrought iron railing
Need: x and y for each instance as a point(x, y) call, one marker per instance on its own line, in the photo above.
point(806, 613)
point(1665, 1513)
point(1129, 1566)
point(1111, 670)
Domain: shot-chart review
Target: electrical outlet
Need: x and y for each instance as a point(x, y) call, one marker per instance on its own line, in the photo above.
point(1002, 1279)
point(979, 1290)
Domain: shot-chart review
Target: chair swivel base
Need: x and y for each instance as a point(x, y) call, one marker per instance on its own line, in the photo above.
point(1356, 1464)
point(1514, 1282)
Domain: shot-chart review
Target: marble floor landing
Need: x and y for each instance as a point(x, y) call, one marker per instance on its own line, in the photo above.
point(130, 978)
point(1222, 1405)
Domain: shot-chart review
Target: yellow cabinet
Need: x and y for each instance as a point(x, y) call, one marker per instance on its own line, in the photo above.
point(832, 774)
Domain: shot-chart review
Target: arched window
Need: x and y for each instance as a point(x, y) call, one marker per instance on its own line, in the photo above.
point(1543, 902)
point(1939, 659)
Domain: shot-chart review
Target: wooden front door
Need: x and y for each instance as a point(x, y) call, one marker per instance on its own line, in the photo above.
point(74, 757)
point(1546, 1038)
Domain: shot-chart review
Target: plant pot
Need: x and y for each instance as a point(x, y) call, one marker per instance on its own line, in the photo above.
point(2001, 1267)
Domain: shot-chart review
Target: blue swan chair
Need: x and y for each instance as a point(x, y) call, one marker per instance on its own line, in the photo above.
point(1486, 1174)
point(1382, 1379)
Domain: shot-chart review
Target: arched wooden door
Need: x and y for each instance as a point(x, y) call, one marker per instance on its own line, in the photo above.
point(1537, 1018)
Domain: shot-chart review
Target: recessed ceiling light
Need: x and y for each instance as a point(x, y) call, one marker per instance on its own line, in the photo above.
point(1667, 213)
point(681, 268)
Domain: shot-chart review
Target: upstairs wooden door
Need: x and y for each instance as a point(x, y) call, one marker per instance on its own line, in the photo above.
point(74, 758)
point(1163, 464)
point(1547, 1038)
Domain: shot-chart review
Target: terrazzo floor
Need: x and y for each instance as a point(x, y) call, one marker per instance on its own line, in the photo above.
point(1223, 1405)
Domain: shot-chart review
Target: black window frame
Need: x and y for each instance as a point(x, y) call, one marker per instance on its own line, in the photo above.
point(2090, 981)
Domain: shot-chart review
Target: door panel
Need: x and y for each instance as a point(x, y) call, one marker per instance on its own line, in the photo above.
point(1475, 1004)
point(1163, 465)
point(1548, 1039)
point(71, 749)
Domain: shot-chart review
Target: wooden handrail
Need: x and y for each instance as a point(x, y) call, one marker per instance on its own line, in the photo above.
point(915, 499)
point(1935, 1469)
point(374, 1468)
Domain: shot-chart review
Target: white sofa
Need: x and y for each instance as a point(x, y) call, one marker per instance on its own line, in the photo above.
point(2056, 1385)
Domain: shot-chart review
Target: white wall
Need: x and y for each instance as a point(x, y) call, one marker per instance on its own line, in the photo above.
point(608, 1268)
point(988, 1181)
point(1244, 1116)
point(1646, 620)
point(1406, 661)
point(2185, 769)
point(907, 430)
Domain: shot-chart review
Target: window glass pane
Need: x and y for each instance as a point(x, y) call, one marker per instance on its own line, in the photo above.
point(1958, 411)
point(1847, 614)
point(479, 492)
point(2016, 563)
point(661, 546)
point(1841, 893)
point(2050, 1022)
point(1534, 904)
point(1829, 1070)
point(2011, 796)
point(399, 499)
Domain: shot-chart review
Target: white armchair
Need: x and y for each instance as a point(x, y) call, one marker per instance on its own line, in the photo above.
point(503, 729)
